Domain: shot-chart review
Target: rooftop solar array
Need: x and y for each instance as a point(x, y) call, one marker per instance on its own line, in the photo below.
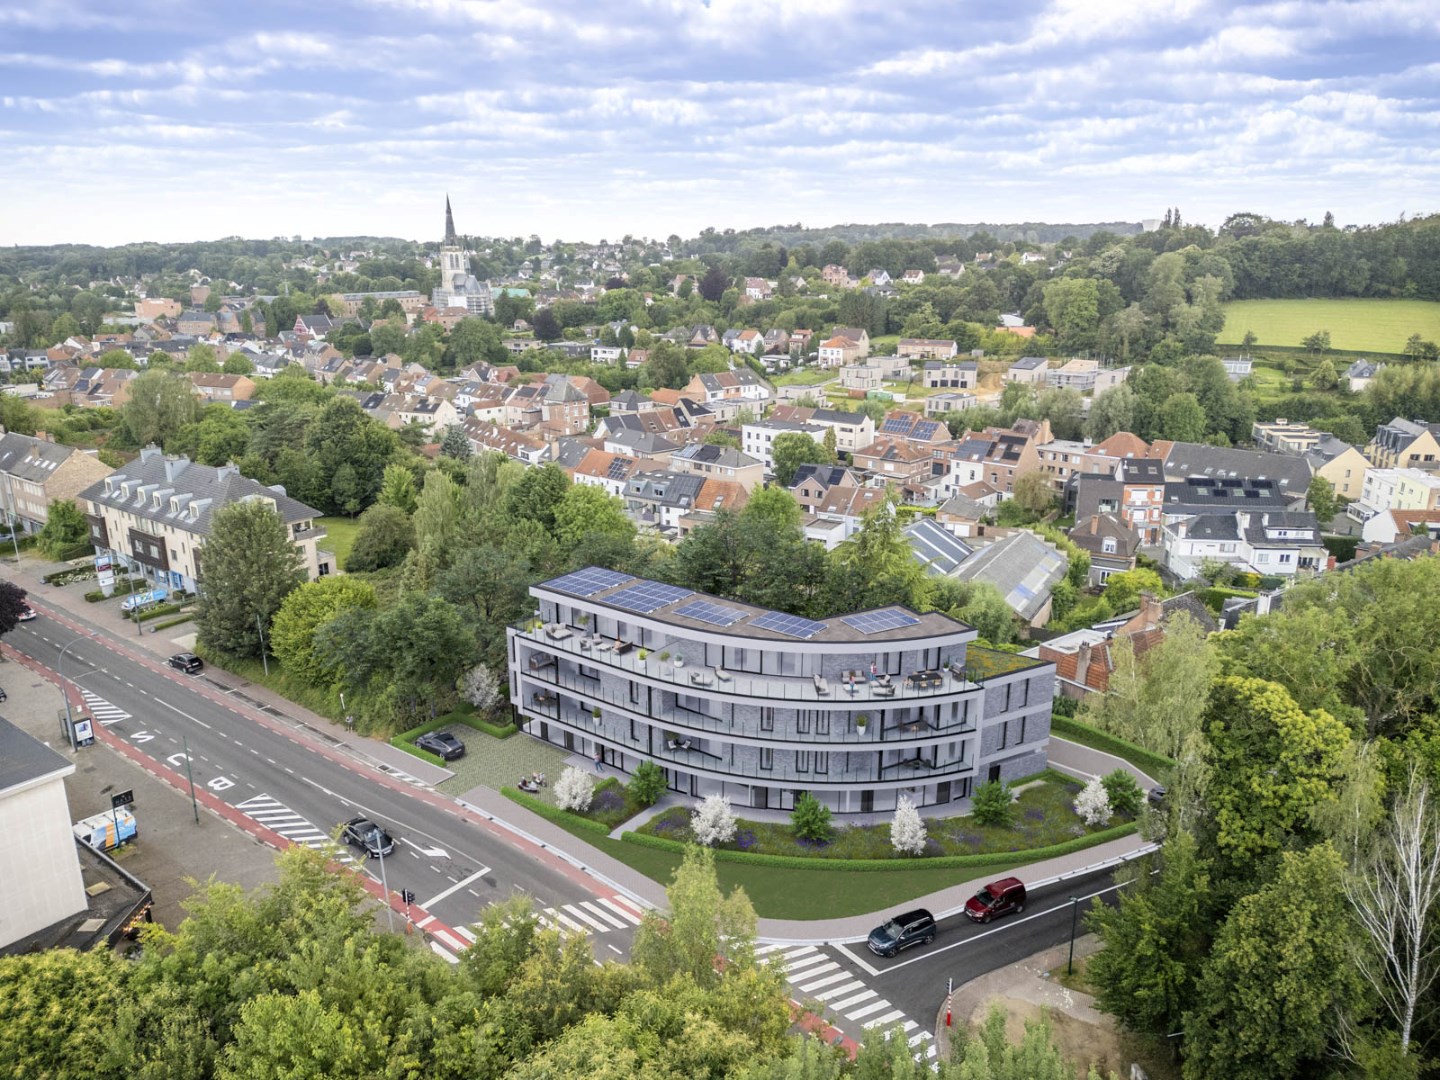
point(790, 625)
point(925, 428)
point(589, 581)
point(715, 614)
point(895, 426)
point(647, 596)
point(875, 622)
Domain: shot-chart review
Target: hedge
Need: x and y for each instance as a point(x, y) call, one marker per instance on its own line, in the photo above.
point(121, 586)
point(406, 739)
point(159, 611)
point(1214, 598)
point(168, 623)
point(561, 817)
point(943, 862)
point(1148, 761)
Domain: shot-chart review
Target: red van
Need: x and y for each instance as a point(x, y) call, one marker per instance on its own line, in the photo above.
point(998, 898)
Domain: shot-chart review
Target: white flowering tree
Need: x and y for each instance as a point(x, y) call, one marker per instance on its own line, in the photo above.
point(713, 822)
point(480, 688)
point(907, 830)
point(1093, 803)
point(574, 790)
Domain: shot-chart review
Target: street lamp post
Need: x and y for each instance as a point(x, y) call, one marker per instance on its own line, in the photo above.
point(69, 718)
point(380, 850)
point(1074, 914)
point(260, 629)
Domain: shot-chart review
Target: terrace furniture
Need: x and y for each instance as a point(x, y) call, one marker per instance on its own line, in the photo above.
point(622, 647)
point(558, 631)
point(883, 689)
point(722, 674)
point(925, 680)
point(603, 646)
point(699, 678)
point(585, 644)
point(677, 744)
point(883, 680)
point(541, 660)
point(821, 686)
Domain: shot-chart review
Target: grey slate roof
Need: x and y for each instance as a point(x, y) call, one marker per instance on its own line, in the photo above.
point(720, 456)
point(203, 487)
point(643, 442)
point(1022, 566)
point(1201, 494)
point(27, 458)
point(1030, 363)
point(1325, 451)
point(935, 548)
point(25, 759)
point(666, 488)
point(1290, 473)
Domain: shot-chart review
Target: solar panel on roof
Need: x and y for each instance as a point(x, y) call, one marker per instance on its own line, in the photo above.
point(925, 429)
point(894, 426)
point(875, 622)
point(715, 614)
point(790, 625)
point(648, 596)
point(617, 469)
point(589, 581)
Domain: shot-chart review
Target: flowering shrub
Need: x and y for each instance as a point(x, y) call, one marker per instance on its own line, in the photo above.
point(713, 822)
point(907, 830)
point(1093, 803)
point(574, 790)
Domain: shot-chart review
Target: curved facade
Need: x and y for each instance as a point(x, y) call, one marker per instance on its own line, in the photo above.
point(733, 699)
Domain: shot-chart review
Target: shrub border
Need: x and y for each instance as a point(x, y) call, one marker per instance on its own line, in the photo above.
point(1146, 761)
point(937, 862)
point(553, 813)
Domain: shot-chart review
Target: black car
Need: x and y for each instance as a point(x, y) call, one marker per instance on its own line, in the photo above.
point(368, 836)
point(187, 662)
point(442, 744)
point(1156, 796)
point(902, 931)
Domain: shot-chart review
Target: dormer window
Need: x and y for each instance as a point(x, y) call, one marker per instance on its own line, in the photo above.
point(1109, 546)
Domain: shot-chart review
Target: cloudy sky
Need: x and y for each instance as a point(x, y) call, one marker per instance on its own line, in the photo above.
point(593, 118)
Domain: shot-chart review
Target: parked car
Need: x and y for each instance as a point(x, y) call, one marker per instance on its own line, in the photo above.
point(144, 599)
point(1156, 796)
point(27, 613)
point(998, 898)
point(911, 928)
point(368, 836)
point(187, 662)
point(442, 744)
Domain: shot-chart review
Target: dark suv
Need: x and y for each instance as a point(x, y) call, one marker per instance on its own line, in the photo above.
point(902, 931)
point(998, 898)
point(187, 662)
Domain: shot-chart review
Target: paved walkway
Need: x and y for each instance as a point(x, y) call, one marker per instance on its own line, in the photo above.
point(490, 803)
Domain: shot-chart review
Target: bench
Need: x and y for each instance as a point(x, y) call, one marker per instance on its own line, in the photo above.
point(557, 631)
point(821, 686)
point(622, 647)
point(883, 690)
point(722, 674)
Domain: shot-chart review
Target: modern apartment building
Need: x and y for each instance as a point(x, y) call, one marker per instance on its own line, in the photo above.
point(760, 706)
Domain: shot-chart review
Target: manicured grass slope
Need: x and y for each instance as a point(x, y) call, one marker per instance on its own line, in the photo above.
point(1359, 325)
point(340, 536)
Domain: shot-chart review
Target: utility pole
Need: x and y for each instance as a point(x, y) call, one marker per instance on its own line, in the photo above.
point(69, 717)
point(190, 776)
point(1074, 915)
point(260, 629)
point(380, 850)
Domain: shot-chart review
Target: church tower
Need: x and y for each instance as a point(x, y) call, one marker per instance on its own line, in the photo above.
point(452, 257)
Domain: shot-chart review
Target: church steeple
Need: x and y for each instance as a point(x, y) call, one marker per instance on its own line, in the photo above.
point(451, 240)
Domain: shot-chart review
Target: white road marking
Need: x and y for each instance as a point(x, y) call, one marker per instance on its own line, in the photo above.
point(428, 904)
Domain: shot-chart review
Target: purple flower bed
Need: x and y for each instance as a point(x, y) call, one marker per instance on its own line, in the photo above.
point(666, 825)
point(1034, 814)
point(607, 800)
point(745, 839)
point(815, 844)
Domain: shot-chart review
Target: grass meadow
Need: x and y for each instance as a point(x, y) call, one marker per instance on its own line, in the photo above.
point(1354, 325)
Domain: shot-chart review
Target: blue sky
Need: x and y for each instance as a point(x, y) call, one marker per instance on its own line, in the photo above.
point(585, 119)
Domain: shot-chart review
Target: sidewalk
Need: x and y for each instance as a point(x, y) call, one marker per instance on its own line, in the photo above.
point(490, 804)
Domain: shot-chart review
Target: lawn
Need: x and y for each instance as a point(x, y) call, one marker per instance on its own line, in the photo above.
point(341, 537)
point(1354, 325)
point(1044, 815)
point(803, 377)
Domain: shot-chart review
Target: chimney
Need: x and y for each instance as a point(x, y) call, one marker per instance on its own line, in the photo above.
point(1150, 610)
point(45, 436)
point(1094, 524)
point(1082, 662)
point(174, 466)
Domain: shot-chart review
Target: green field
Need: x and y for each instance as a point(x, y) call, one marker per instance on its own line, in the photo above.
point(1354, 325)
point(340, 536)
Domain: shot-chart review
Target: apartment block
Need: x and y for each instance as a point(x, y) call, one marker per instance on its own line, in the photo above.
point(758, 705)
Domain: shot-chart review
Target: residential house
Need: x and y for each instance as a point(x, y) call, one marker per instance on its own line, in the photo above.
point(37, 472)
point(605, 469)
point(726, 393)
point(215, 386)
point(156, 307)
point(780, 683)
point(1290, 473)
point(195, 321)
point(654, 449)
point(864, 377)
point(1028, 369)
point(948, 402)
point(812, 483)
point(1024, 567)
point(317, 326)
point(842, 511)
point(757, 438)
point(1060, 459)
point(926, 349)
point(1360, 374)
point(995, 456)
point(1384, 490)
point(834, 275)
point(1340, 465)
point(700, 336)
point(719, 463)
point(914, 428)
point(153, 514)
point(913, 277)
point(879, 276)
point(520, 446)
point(1076, 374)
point(607, 354)
point(1271, 543)
point(776, 341)
point(964, 375)
point(749, 342)
point(1109, 541)
point(1283, 437)
point(659, 498)
point(1405, 444)
point(845, 345)
point(1395, 526)
point(757, 288)
point(1236, 367)
point(894, 459)
point(853, 431)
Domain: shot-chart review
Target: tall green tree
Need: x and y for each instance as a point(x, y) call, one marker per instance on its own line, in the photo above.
point(292, 633)
point(248, 566)
point(1279, 974)
point(397, 488)
point(342, 435)
point(160, 404)
point(586, 510)
point(535, 496)
point(791, 450)
point(385, 537)
point(65, 531)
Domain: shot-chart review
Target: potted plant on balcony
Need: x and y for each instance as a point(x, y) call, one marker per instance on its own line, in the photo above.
point(583, 620)
point(665, 655)
point(679, 660)
point(861, 720)
point(644, 654)
point(595, 713)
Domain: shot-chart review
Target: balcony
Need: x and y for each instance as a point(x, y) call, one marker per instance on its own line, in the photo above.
point(881, 732)
point(715, 682)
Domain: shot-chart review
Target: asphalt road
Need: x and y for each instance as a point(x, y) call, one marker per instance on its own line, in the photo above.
point(290, 782)
point(858, 988)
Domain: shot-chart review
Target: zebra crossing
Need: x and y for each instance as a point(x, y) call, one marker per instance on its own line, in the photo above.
point(815, 975)
point(102, 710)
point(279, 818)
point(604, 914)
